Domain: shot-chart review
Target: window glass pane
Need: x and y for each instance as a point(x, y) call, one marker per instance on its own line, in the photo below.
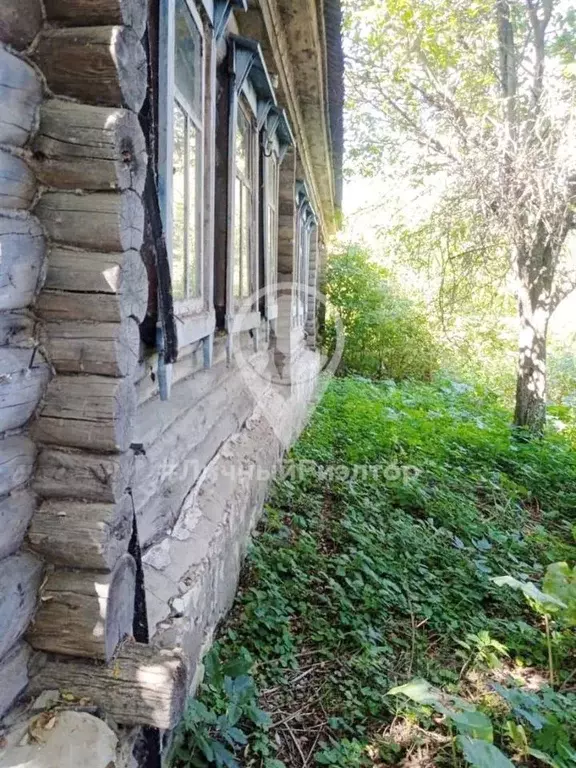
point(245, 266)
point(237, 238)
point(242, 134)
point(179, 204)
point(188, 58)
point(193, 241)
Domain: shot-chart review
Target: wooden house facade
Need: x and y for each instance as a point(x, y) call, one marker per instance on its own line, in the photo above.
point(170, 172)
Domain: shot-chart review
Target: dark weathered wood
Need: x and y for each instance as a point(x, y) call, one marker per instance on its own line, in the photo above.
point(17, 182)
point(82, 475)
point(20, 96)
point(96, 65)
point(85, 147)
point(103, 221)
point(20, 578)
point(131, 13)
point(20, 22)
point(16, 329)
point(81, 535)
point(22, 248)
point(16, 511)
point(23, 377)
point(142, 685)
point(13, 675)
point(92, 412)
point(17, 454)
point(108, 349)
point(104, 287)
point(85, 613)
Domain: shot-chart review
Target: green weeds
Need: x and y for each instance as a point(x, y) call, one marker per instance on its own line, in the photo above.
point(354, 586)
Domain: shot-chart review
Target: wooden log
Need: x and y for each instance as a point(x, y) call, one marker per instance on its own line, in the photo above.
point(81, 475)
point(130, 13)
point(108, 349)
point(85, 147)
point(104, 287)
point(22, 248)
point(23, 377)
point(20, 96)
point(20, 578)
point(142, 686)
point(17, 182)
point(16, 511)
point(80, 535)
point(17, 329)
point(104, 221)
point(13, 675)
point(85, 613)
point(96, 65)
point(20, 22)
point(92, 412)
point(17, 454)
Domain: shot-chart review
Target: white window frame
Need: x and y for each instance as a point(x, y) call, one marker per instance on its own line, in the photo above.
point(168, 95)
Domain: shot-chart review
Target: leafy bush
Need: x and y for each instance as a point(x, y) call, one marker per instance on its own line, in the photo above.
point(356, 584)
point(386, 334)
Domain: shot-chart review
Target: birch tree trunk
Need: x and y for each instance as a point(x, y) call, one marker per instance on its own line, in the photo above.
point(535, 271)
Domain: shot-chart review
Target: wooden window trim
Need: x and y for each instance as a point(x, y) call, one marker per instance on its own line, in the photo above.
point(193, 314)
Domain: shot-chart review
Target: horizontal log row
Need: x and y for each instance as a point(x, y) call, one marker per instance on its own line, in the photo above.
point(143, 685)
point(78, 535)
point(91, 412)
point(97, 65)
point(13, 675)
point(131, 13)
point(20, 579)
point(81, 146)
point(23, 378)
point(85, 613)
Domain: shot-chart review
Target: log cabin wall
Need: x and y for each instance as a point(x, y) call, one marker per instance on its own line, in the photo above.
point(126, 507)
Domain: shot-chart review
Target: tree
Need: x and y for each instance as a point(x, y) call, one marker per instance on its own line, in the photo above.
point(479, 98)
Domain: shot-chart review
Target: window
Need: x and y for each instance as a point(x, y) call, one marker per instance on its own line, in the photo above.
point(244, 240)
point(181, 149)
point(305, 223)
point(270, 223)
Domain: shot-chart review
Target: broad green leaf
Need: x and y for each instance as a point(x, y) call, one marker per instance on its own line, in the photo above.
point(543, 757)
point(223, 757)
point(480, 754)
point(474, 724)
point(530, 591)
point(560, 582)
point(419, 691)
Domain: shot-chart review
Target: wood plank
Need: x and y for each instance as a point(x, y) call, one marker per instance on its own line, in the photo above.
point(85, 613)
point(23, 378)
point(104, 221)
point(82, 475)
point(13, 675)
point(20, 96)
point(20, 579)
point(23, 250)
point(79, 146)
point(16, 511)
point(17, 329)
point(131, 13)
point(107, 349)
point(96, 65)
point(80, 535)
point(142, 686)
point(92, 412)
point(17, 454)
point(20, 22)
point(17, 182)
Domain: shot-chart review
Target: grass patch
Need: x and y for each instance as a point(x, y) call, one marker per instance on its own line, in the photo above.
point(356, 585)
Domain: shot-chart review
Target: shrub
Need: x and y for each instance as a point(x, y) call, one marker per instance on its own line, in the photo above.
point(387, 335)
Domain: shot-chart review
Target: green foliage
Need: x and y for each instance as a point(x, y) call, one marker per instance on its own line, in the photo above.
point(386, 335)
point(360, 582)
